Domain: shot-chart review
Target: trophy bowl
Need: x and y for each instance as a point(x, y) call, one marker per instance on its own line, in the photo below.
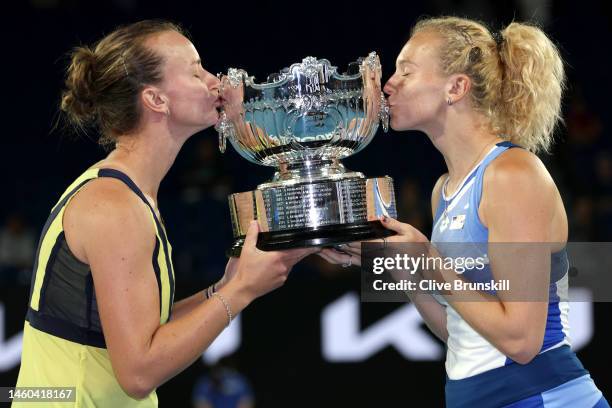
point(302, 121)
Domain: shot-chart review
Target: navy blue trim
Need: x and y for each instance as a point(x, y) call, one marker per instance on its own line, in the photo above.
point(89, 288)
point(42, 298)
point(157, 271)
point(506, 144)
point(535, 401)
point(64, 329)
point(128, 181)
point(504, 385)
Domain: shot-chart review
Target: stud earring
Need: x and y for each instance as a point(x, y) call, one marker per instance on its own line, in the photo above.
point(449, 101)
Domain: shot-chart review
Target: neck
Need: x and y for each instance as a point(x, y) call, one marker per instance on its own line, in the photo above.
point(146, 156)
point(462, 144)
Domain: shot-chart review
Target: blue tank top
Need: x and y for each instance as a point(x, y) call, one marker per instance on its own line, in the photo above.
point(457, 221)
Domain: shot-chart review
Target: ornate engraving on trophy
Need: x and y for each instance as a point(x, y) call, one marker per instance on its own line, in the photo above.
point(303, 121)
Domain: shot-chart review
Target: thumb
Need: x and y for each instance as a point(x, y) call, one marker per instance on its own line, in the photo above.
point(392, 224)
point(250, 241)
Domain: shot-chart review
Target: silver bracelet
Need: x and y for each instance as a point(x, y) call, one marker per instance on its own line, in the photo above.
point(230, 316)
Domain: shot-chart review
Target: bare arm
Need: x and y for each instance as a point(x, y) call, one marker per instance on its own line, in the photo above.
point(518, 205)
point(432, 312)
point(187, 304)
point(116, 237)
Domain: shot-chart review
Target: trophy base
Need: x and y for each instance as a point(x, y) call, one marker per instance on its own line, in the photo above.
point(323, 212)
point(325, 236)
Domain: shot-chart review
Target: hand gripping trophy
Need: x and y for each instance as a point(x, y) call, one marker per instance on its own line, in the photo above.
point(303, 121)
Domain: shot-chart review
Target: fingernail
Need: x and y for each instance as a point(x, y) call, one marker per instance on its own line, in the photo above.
point(384, 218)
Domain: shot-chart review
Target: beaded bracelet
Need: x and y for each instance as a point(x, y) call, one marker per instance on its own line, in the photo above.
point(226, 305)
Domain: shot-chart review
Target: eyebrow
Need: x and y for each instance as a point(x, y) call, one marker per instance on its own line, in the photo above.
point(406, 61)
point(197, 62)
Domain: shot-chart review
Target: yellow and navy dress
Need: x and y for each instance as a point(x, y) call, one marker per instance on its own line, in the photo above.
point(63, 341)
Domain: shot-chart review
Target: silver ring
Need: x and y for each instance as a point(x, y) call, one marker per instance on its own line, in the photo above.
point(350, 262)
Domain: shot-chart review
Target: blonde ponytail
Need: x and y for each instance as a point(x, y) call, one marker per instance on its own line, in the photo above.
point(532, 86)
point(517, 80)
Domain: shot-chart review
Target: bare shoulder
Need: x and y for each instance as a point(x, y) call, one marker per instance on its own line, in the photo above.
point(106, 212)
point(518, 167)
point(106, 199)
point(435, 194)
point(520, 200)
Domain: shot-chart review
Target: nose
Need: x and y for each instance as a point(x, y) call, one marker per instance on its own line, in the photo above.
point(213, 82)
point(389, 87)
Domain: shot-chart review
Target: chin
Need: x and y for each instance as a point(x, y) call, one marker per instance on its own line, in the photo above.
point(398, 127)
point(403, 124)
point(210, 120)
point(200, 126)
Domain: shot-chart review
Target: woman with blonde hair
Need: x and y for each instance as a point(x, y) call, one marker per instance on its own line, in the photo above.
point(102, 318)
point(488, 102)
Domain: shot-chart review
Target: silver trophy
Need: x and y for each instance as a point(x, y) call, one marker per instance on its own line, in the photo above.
point(303, 121)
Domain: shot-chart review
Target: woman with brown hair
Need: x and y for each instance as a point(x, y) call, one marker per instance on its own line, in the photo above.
point(102, 316)
point(488, 102)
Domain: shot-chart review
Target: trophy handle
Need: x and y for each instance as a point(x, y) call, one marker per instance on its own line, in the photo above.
point(222, 142)
point(224, 126)
point(384, 112)
point(225, 130)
